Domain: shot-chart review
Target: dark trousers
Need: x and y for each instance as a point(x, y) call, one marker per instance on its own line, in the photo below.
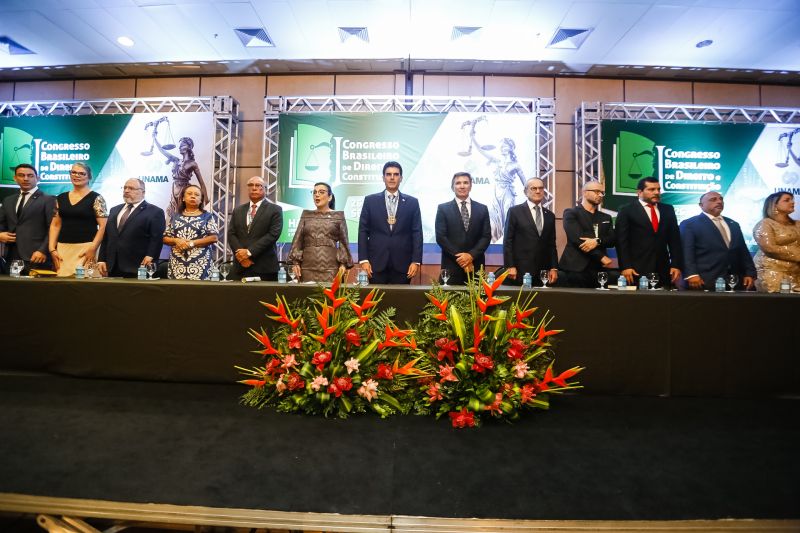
point(390, 277)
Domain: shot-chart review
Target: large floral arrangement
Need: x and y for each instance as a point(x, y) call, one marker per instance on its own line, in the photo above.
point(334, 355)
point(493, 355)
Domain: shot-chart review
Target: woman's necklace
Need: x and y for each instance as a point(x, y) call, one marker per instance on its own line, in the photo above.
point(191, 213)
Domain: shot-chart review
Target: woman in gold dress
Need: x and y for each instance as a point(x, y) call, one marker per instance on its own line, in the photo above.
point(778, 238)
point(320, 247)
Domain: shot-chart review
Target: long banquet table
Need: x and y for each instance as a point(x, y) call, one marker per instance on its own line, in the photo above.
point(641, 343)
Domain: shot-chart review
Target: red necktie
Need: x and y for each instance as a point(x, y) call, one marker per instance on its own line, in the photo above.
point(653, 217)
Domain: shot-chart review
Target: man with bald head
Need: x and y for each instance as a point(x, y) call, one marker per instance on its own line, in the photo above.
point(254, 229)
point(133, 235)
point(713, 247)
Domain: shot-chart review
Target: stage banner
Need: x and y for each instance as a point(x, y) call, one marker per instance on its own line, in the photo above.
point(348, 151)
point(743, 162)
point(168, 151)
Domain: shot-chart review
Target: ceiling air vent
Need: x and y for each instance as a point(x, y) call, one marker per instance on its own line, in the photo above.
point(463, 31)
point(254, 37)
point(349, 32)
point(12, 47)
point(569, 38)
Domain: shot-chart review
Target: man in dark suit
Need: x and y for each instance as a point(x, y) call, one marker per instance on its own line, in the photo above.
point(133, 235)
point(590, 233)
point(648, 238)
point(529, 239)
point(390, 231)
point(463, 231)
point(253, 231)
point(25, 221)
point(713, 247)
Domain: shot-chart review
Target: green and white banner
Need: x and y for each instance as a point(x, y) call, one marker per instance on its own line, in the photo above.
point(348, 150)
point(743, 162)
point(167, 151)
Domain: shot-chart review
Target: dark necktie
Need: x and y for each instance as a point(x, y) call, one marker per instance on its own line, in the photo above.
point(464, 214)
point(21, 204)
point(537, 218)
point(253, 210)
point(125, 216)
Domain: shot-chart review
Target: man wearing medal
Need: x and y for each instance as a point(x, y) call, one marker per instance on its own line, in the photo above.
point(390, 232)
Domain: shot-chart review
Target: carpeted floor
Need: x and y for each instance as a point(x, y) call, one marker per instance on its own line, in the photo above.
point(589, 458)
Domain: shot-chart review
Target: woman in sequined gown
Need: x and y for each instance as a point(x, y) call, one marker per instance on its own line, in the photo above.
point(191, 233)
point(320, 247)
point(778, 238)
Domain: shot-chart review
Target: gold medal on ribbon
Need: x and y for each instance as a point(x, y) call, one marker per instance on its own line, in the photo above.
point(391, 219)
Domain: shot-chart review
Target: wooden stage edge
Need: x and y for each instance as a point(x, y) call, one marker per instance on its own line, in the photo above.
point(163, 514)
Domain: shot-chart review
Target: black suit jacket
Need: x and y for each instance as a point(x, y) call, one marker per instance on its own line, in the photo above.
point(705, 253)
point(260, 240)
point(578, 222)
point(454, 239)
point(141, 236)
point(644, 250)
point(523, 246)
point(386, 247)
point(32, 228)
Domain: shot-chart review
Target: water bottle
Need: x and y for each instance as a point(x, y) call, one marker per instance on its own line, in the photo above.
point(786, 286)
point(490, 278)
point(141, 272)
point(363, 279)
point(282, 275)
point(622, 283)
point(527, 280)
point(215, 273)
point(719, 285)
point(643, 285)
point(79, 272)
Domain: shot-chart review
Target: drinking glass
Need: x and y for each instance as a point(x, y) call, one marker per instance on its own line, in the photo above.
point(292, 273)
point(653, 279)
point(733, 279)
point(224, 270)
point(445, 277)
point(602, 279)
point(16, 267)
point(90, 265)
point(543, 278)
point(151, 269)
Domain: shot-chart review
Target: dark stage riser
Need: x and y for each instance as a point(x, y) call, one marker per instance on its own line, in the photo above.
point(648, 343)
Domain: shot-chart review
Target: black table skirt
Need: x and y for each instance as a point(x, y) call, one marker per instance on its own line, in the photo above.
point(648, 343)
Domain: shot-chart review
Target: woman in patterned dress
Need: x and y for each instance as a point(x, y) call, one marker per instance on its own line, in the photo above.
point(320, 247)
point(78, 223)
point(778, 238)
point(191, 233)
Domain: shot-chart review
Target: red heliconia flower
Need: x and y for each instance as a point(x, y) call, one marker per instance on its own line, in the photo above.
point(462, 419)
point(257, 383)
point(477, 336)
point(352, 337)
point(434, 392)
point(442, 306)
point(294, 381)
point(565, 375)
point(384, 371)
point(320, 358)
point(446, 349)
point(508, 389)
point(340, 385)
point(482, 363)
point(366, 304)
point(494, 407)
point(543, 334)
point(282, 314)
point(273, 367)
point(263, 338)
point(294, 340)
point(331, 293)
point(517, 349)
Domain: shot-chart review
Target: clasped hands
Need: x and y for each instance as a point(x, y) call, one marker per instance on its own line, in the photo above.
point(243, 257)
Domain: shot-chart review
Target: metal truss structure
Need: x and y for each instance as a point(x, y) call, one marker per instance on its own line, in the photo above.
point(543, 108)
point(589, 115)
point(224, 108)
